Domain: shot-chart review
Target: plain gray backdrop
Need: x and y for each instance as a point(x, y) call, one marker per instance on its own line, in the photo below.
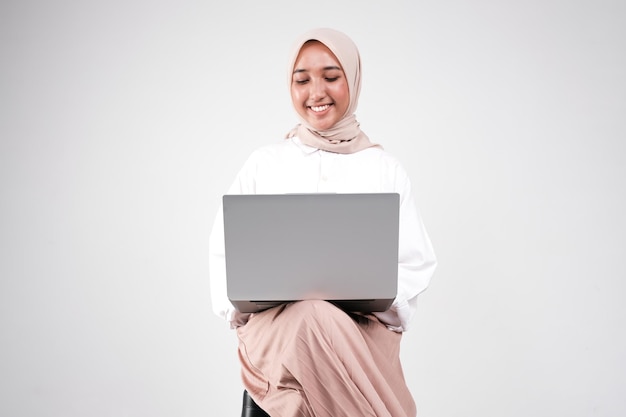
point(123, 122)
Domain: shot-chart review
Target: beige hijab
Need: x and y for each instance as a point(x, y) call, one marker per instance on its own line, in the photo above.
point(345, 136)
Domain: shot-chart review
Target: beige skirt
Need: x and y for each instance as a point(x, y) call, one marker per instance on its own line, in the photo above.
point(311, 359)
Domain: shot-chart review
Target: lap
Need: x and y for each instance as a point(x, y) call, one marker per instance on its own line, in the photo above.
point(316, 349)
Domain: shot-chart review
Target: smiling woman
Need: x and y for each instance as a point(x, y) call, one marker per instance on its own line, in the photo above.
point(325, 82)
point(310, 358)
point(319, 91)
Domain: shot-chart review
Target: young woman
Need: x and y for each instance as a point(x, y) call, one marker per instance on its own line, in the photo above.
point(310, 358)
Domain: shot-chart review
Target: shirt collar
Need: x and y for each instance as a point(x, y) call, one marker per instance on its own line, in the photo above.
point(306, 149)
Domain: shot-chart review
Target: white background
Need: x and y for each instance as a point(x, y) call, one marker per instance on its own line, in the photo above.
point(123, 122)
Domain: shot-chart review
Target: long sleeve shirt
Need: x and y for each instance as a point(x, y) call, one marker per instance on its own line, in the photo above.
point(292, 167)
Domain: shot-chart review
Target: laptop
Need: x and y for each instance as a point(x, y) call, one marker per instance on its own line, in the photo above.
point(342, 248)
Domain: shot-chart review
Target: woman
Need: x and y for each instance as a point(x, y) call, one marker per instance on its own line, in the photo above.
point(310, 358)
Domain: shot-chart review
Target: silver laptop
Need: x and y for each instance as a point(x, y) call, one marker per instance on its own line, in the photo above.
point(342, 248)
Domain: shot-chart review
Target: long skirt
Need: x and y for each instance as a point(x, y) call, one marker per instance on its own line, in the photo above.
point(311, 359)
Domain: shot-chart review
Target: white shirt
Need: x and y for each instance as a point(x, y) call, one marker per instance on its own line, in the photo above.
point(292, 167)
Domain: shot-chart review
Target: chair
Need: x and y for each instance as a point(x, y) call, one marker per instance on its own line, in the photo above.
point(250, 408)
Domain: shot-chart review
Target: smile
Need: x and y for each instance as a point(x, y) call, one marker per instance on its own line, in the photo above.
point(319, 108)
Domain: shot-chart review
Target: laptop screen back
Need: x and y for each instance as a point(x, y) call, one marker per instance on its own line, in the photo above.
point(337, 247)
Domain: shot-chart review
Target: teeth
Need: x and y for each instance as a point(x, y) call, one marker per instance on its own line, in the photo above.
point(320, 108)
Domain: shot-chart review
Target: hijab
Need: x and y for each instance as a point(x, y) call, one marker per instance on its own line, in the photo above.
point(345, 136)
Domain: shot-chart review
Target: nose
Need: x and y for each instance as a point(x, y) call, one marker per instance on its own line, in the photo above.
point(318, 90)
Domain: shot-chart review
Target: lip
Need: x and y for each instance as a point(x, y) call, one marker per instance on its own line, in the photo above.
point(320, 109)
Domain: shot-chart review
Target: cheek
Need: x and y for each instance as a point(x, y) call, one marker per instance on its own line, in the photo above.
point(342, 97)
point(296, 95)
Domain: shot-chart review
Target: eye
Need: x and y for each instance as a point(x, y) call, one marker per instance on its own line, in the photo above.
point(331, 79)
point(301, 82)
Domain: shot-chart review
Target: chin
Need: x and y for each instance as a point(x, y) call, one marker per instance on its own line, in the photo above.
point(317, 125)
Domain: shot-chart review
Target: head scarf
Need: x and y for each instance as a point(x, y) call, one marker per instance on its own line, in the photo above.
point(345, 136)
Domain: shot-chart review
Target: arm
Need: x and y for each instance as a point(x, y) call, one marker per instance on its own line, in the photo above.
point(416, 260)
point(217, 262)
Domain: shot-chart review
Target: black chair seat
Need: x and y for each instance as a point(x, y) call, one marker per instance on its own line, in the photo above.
point(250, 408)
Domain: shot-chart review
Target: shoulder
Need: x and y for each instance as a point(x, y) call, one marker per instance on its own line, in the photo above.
point(271, 151)
point(383, 159)
point(263, 155)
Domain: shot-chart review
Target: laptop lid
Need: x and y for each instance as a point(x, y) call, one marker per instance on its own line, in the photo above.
point(287, 247)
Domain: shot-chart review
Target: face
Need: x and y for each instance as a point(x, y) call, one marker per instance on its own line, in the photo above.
point(319, 89)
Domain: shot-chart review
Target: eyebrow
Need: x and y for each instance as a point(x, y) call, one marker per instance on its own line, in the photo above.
point(331, 67)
